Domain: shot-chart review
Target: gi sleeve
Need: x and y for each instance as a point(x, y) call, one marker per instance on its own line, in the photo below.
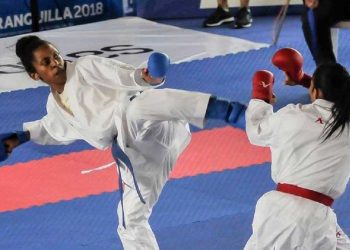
point(40, 135)
point(52, 129)
point(111, 73)
point(261, 123)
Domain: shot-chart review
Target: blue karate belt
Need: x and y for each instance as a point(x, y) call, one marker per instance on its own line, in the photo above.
point(120, 157)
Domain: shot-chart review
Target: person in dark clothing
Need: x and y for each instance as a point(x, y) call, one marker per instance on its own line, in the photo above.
point(222, 14)
point(317, 19)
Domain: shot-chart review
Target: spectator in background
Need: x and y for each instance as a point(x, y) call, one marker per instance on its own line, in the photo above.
point(222, 14)
point(317, 19)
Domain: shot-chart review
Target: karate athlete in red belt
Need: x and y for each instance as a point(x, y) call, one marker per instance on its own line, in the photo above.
point(310, 157)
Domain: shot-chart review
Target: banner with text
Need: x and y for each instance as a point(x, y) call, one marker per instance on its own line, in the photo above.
point(16, 16)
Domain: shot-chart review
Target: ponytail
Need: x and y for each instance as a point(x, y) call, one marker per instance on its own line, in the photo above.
point(334, 82)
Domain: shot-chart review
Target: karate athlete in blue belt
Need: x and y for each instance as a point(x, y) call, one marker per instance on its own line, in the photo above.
point(108, 103)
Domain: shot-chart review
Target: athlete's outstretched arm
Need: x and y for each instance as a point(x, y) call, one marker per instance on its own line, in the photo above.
point(260, 119)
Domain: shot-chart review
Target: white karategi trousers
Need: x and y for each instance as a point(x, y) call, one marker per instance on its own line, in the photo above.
point(158, 132)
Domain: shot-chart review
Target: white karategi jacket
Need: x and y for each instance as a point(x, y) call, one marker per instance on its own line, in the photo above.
point(98, 90)
point(299, 157)
point(152, 130)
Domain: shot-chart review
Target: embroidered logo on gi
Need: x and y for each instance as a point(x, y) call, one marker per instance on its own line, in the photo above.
point(319, 120)
point(264, 84)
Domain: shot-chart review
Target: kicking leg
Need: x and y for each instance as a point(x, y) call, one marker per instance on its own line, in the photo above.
point(193, 107)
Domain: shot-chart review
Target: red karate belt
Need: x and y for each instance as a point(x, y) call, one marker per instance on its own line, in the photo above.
point(305, 193)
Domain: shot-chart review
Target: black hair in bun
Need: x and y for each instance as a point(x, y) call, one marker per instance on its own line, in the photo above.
point(25, 47)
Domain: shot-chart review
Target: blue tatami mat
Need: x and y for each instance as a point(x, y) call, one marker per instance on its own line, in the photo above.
point(206, 211)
